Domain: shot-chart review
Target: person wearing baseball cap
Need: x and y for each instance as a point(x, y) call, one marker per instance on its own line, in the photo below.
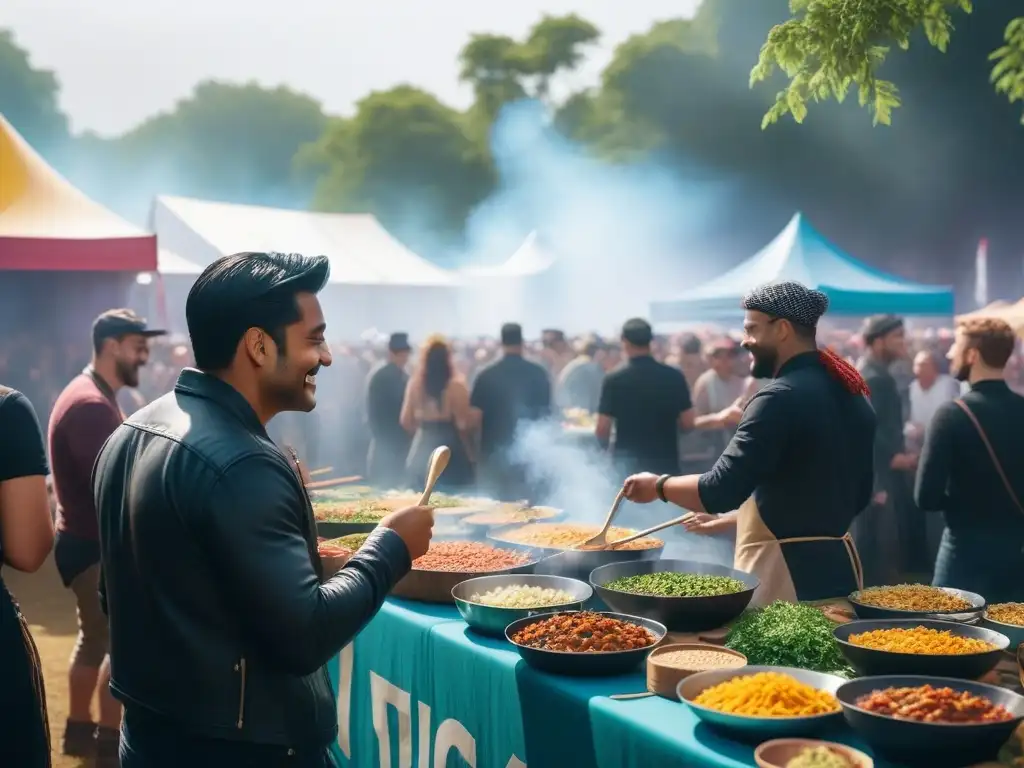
point(84, 416)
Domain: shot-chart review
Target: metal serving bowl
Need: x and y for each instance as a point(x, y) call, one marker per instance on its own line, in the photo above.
point(679, 614)
point(935, 745)
point(586, 663)
point(865, 611)
point(1012, 631)
point(492, 619)
point(872, 661)
point(436, 586)
point(756, 729)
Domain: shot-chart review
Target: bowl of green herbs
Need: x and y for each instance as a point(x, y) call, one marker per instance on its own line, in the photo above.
point(789, 635)
point(684, 595)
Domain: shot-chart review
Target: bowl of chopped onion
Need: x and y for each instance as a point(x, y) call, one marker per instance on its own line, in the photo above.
point(490, 603)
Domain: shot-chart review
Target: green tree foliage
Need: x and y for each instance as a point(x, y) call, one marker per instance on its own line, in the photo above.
point(421, 166)
point(405, 157)
point(28, 96)
point(831, 47)
point(501, 69)
point(230, 142)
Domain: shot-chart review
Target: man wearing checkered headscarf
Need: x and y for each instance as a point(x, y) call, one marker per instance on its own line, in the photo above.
point(799, 468)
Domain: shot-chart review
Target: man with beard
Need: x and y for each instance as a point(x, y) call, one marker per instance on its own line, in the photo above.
point(221, 618)
point(798, 468)
point(888, 531)
point(385, 391)
point(972, 469)
point(84, 416)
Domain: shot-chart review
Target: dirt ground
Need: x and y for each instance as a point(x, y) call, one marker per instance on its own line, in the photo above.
point(50, 609)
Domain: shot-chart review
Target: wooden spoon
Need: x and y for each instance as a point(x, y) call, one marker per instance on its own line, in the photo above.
point(600, 540)
point(649, 531)
point(438, 461)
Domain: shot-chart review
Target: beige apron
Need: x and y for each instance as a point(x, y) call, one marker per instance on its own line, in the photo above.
point(760, 553)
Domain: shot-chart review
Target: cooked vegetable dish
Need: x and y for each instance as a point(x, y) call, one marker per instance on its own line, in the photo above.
point(1007, 613)
point(468, 557)
point(516, 596)
point(921, 640)
point(584, 632)
point(672, 584)
point(912, 597)
point(767, 694)
point(926, 704)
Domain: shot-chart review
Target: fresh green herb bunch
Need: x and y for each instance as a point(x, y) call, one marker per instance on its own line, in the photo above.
point(672, 584)
point(788, 635)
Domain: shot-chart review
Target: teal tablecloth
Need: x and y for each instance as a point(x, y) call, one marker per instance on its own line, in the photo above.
point(420, 689)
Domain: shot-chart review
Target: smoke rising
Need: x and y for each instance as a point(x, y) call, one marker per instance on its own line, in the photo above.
point(621, 234)
point(583, 481)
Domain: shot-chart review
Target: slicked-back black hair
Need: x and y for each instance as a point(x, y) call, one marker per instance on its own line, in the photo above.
point(243, 291)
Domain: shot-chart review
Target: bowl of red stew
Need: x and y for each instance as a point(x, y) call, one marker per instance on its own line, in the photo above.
point(585, 643)
point(940, 722)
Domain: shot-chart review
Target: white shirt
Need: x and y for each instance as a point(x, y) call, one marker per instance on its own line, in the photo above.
point(925, 402)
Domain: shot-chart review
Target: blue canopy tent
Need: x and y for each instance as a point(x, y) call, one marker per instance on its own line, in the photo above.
point(800, 253)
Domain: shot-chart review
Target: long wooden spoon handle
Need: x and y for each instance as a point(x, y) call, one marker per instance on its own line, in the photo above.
point(615, 508)
point(438, 461)
point(649, 531)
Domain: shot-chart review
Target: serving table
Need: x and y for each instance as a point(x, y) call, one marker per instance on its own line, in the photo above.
point(418, 688)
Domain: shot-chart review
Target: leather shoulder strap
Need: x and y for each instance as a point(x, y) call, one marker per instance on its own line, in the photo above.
point(991, 452)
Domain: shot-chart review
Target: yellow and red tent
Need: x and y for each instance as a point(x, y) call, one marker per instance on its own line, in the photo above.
point(46, 224)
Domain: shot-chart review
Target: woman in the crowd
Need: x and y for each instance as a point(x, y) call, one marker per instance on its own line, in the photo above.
point(26, 537)
point(436, 411)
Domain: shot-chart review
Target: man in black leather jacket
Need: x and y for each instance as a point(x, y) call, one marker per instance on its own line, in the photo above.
point(221, 622)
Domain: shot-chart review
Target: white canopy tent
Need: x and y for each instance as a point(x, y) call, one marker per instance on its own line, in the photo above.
point(375, 280)
point(514, 290)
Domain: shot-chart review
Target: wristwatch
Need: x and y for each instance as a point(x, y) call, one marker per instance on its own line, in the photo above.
point(659, 487)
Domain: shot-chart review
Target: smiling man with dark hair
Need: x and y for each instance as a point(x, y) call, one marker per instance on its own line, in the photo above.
point(221, 619)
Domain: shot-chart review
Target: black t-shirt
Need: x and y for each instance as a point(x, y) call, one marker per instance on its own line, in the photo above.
point(645, 398)
point(507, 392)
point(21, 441)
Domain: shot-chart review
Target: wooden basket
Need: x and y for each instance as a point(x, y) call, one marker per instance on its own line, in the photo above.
point(663, 679)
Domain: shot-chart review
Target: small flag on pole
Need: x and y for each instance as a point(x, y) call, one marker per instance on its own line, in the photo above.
point(981, 273)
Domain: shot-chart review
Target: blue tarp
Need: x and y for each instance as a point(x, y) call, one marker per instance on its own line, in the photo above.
point(800, 253)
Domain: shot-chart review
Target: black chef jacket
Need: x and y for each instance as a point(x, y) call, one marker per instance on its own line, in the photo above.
point(803, 451)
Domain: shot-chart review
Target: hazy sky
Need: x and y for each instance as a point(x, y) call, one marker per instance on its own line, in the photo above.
point(120, 61)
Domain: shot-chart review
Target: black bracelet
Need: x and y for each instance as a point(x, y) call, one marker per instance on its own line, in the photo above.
point(659, 487)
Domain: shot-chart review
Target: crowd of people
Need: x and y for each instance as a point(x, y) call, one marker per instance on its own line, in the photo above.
point(765, 435)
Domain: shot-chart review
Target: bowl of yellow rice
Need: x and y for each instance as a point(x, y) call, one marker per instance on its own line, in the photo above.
point(755, 703)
